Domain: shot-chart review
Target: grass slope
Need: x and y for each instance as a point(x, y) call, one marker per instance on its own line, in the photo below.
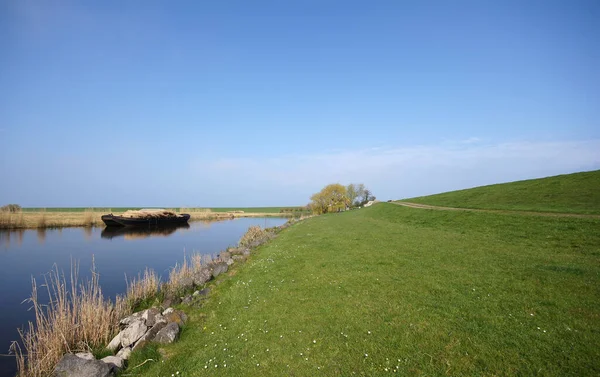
point(570, 193)
point(391, 289)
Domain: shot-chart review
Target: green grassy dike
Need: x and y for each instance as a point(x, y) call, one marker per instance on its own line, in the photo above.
point(403, 291)
point(568, 193)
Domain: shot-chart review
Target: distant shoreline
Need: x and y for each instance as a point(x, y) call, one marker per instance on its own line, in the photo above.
point(34, 218)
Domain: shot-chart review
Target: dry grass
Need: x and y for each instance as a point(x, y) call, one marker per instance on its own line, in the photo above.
point(142, 288)
point(42, 219)
point(75, 319)
point(194, 210)
point(254, 236)
point(11, 220)
point(89, 218)
point(181, 276)
point(149, 214)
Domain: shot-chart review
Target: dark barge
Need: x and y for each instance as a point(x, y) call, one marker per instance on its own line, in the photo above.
point(146, 218)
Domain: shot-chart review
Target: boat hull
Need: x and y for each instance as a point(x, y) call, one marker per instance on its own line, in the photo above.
point(108, 220)
point(112, 221)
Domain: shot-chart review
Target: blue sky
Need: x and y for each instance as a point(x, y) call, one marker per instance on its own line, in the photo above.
point(237, 103)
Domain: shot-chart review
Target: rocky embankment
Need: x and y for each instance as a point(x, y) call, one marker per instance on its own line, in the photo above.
point(137, 330)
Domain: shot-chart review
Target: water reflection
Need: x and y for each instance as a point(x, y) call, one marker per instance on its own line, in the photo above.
point(133, 233)
point(41, 235)
point(87, 233)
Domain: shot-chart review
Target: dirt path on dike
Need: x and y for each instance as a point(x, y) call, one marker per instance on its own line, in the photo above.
point(511, 212)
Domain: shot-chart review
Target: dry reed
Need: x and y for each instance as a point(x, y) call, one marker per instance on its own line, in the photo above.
point(89, 218)
point(42, 220)
point(75, 319)
point(182, 275)
point(254, 236)
point(142, 288)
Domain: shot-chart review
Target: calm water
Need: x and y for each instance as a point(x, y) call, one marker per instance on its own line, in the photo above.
point(32, 253)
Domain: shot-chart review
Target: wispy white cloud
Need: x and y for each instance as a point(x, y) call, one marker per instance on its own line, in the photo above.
point(408, 171)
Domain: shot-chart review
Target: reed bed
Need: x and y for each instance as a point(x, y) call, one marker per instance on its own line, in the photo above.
point(11, 220)
point(181, 275)
point(77, 317)
point(42, 219)
point(142, 288)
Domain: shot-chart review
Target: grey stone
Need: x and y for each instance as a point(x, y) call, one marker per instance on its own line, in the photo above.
point(114, 363)
point(219, 268)
point(129, 320)
point(167, 302)
point(149, 336)
point(176, 316)
point(187, 300)
point(224, 256)
point(133, 332)
point(170, 300)
point(159, 318)
point(204, 292)
point(149, 316)
point(168, 334)
point(235, 250)
point(183, 316)
point(187, 282)
point(202, 276)
point(85, 355)
point(124, 353)
point(230, 261)
point(73, 366)
point(167, 311)
point(115, 343)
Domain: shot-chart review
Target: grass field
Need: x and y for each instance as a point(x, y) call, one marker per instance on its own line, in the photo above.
point(570, 193)
point(403, 291)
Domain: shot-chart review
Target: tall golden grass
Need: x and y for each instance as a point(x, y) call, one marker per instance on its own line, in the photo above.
point(76, 318)
point(42, 219)
point(182, 274)
point(11, 220)
point(142, 288)
point(88, 217)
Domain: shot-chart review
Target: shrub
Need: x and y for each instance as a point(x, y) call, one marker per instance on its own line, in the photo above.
point(12, 208)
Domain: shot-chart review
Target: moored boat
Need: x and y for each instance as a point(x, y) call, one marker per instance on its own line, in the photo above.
point(146, 218)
